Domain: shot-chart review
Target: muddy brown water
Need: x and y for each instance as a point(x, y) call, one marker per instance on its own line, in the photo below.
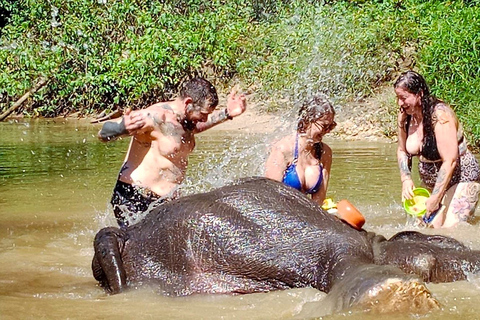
point(55, 183)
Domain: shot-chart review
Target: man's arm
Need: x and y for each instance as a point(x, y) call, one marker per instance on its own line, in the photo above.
point(112, 130)
point(217, 117)
point(236, 105)
point(129, 124)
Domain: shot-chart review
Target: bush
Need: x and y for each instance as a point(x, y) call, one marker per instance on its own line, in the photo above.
point(341, 50)
point(101, 54)
point(450, 59)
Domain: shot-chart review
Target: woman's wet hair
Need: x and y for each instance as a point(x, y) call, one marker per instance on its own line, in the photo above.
point(201, 91)
point(414, 83)
point(312, 110)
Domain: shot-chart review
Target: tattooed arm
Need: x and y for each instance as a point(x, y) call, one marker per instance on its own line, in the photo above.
point(152, 128)
point(214, 119)
point(446, 136)
point(236, 105)
point(403, 159)
point(126, 125)
point(111, 130)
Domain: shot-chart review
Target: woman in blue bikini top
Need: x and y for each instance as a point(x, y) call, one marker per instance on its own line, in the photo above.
point(302, 160)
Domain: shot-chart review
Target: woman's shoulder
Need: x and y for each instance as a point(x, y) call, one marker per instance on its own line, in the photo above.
point(444, 113)
point(326, 147)
point(326, 150)
point(441, 106)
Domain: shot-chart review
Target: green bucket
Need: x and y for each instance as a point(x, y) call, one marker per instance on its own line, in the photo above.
point(416, 206)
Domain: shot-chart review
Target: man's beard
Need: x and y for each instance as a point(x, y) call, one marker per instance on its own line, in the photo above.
point(189, 125)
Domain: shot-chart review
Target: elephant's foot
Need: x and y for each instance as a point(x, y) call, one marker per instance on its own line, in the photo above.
point(399, 295)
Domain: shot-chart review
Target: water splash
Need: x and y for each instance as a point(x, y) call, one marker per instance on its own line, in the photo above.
point(326, 52)
point(474, 278)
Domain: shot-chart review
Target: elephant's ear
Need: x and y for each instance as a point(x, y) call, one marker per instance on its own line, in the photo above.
point(381, 289)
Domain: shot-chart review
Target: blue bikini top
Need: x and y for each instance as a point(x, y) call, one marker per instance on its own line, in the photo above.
point(290, 177)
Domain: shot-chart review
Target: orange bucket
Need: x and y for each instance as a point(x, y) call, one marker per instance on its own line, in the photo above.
point(350, 214)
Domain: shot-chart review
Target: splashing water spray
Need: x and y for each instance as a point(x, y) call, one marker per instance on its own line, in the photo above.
point(324, 64)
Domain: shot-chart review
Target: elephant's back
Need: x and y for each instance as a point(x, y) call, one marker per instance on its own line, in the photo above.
point(251, 223)
point(259, 209)
point(261, 202)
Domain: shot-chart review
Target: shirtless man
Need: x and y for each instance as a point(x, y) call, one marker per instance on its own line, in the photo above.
point(162, 139)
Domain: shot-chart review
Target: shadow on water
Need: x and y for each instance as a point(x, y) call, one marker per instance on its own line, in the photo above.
point(56, 179)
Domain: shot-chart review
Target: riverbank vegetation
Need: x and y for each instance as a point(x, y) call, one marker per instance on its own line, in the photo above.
point(102, 55)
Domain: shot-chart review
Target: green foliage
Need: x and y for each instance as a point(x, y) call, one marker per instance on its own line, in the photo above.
point(450, 60)
point(339, 50)
point(103, 54)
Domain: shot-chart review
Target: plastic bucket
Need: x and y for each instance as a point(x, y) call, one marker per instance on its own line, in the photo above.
point(416, 206)
point(347, 212)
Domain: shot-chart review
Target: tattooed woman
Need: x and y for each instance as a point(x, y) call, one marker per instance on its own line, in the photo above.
point(429, 129)
point(162, 140)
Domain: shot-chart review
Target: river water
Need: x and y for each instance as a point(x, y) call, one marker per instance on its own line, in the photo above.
point(55, 182)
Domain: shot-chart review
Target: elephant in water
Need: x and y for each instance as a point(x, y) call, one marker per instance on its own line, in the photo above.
point(259, 235)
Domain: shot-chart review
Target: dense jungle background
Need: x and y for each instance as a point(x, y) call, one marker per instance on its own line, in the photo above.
point(91, 56)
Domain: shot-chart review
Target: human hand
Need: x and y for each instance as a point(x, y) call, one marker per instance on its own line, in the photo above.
point(134, 120)
point(432, 204)
point(236, 103)
point(407, 189)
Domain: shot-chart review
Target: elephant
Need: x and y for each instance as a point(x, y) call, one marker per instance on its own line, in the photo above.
point(259, 235)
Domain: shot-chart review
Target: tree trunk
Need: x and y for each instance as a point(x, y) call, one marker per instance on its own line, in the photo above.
point(16, 105)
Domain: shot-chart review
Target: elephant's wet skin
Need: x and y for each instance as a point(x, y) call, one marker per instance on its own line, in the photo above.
point(434, 258)
point(260, 235)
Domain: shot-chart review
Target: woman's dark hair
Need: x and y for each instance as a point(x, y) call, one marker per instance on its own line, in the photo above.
point(312, 110)
point(414, 83)
point(201, 91)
